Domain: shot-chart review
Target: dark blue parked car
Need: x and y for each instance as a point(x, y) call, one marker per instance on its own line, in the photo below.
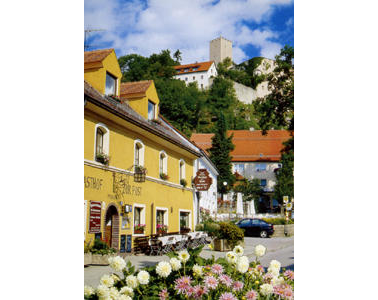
point(255, 227)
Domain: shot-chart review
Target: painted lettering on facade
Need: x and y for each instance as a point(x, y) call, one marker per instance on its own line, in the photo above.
point(92, 182)
point(122, 186)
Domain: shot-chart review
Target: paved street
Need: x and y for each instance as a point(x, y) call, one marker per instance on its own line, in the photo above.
point(279, 248)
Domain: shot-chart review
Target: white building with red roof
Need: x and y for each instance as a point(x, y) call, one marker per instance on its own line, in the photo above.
point(199, 72)
point(255, 156)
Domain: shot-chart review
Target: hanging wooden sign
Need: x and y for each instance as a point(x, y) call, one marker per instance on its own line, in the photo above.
point(202, 181)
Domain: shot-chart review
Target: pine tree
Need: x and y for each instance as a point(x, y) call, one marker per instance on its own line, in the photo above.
point(220, 155)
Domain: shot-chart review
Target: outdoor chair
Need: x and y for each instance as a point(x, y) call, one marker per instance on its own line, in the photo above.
point(155, 246)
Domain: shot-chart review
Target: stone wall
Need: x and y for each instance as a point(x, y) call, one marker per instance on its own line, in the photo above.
point(279, 230)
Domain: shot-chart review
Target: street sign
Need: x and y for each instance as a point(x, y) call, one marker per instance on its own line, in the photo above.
point(285, 199)
point(289, 206)
point(202, 181)
point(95, 217)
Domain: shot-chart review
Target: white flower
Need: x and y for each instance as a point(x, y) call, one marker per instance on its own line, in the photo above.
point(197, 270)
point(132, 281)
point(88, 290)
point(260, 250)
point(163, 269)
point(238, 250)
point(124, 297)
point(242, 264)
point(183, 256)
point(266, 289)
point(107, 280)
point(275, 265)
point(143, 277)
point(273, 271)
point(175, 263)
point(102, 291)
point(277, 280)
point(115, 277)
point(117, 263)
point(127, 291)
point(231, 257)
point(113, 293)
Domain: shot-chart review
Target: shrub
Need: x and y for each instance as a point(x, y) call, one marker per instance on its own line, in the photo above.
point(230, 232)
point(278, 221)
point(100, 247)
point(210, 228)
point(199, 227)
point(183, 182)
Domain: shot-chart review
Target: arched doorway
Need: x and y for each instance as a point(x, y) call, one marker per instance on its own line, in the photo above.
point(112, 227)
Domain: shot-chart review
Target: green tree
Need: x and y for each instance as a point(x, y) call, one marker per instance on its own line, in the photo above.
point(285, 174)
point(276, 110)
point(177, 56)
point(220, 155)
point(133, 67)
point(251, 189)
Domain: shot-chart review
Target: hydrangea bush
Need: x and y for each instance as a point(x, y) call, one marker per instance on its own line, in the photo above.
point(188, 276)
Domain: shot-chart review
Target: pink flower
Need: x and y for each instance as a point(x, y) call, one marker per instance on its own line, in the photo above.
point(189, 291)
point(260, 268)
point(211, 282)
point(226, 280)
point(182, 284)
point(289, 274)
point(288, 293)
point(198, 291)
point(227, 296)
point(237, 286)
point(251, 295)
point(163, 294)
point(217, 269)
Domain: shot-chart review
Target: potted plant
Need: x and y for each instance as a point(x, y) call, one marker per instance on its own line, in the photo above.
point(115, 97)
point(139, 229)
point(103, 158)
point(164, 176)
point(228, 236)
point(183, 182)
point(101, 252)
point(161, 228)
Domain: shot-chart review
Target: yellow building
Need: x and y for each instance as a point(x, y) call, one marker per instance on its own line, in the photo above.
point(127, 152)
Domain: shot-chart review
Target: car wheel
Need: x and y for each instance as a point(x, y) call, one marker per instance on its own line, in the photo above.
point(263, 234)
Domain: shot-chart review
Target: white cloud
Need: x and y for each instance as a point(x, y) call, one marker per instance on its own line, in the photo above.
point(186, 25)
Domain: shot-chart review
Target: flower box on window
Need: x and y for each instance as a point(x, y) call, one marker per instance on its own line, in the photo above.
point(161, 229)
point(139, 229)
point(103, 158)
point(184, 230)
point(140, 174)
point(164, 176)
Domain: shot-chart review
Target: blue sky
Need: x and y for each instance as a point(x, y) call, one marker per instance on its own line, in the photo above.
point(256, 27)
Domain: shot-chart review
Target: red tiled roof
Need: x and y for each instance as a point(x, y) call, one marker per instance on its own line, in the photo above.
point(249, 145)
point(202, 66)
point(132, 88)
point(96, 55)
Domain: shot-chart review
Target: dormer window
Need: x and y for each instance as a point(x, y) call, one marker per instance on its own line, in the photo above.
point(111, 83)
point(151, 110)
point(186, 70)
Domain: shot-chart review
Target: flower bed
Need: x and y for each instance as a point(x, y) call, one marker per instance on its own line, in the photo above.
point(188, 276)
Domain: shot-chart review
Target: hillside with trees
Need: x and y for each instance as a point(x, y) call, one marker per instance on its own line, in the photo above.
point(188, 108)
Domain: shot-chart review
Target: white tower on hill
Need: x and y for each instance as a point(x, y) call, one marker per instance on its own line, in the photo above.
point(220, 48)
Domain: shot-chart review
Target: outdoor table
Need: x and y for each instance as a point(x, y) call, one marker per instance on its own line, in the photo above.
point(168, 243)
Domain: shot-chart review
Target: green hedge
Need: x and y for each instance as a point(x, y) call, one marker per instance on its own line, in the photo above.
point(230, 232)
point(278, 221)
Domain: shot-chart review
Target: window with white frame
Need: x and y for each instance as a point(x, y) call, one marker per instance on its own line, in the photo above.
point(138, 153)
point(101, 140)
point(110, 84)
point(163, 159)
point(184, 219)
point(139, 216)
point(160, 217)
point(260, 167)
point(151, 110)
point(239, 168)
point(182, 170)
